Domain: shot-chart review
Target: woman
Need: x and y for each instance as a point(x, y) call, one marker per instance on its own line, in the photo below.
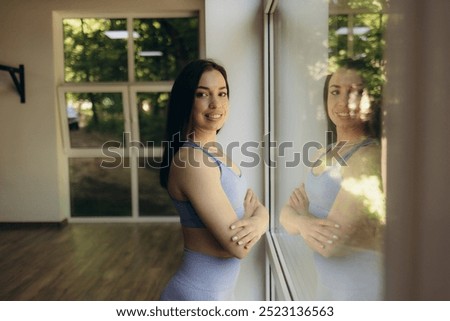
point(208, 189)
point(339, 211)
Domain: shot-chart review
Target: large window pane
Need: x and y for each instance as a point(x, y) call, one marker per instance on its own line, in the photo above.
point(152, 111)
point(153, 199)
point(164, 46)
point(301, 62)
point(94, 118)
point(97, 190)
point(95, 50)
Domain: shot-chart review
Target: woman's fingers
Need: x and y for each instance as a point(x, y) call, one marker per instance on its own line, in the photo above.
point(303, 193)
point(246, 232)
point(323, 247)
point(248, 195)
point(325, 239)
point(298, 193)
point(243, 230)
point(315, 244)
point(240, 224)
point(323, 233)
point(250, 202)
point(252, 242)
point(298, 199)
point(246, 239)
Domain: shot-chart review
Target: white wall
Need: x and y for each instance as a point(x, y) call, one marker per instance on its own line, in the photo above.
point(234, 35)
point(29, 180)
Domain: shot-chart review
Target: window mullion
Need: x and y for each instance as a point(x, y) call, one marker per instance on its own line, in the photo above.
point(350, 36)
point(130, 50)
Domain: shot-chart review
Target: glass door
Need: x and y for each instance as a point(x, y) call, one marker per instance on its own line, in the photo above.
point(117, 76)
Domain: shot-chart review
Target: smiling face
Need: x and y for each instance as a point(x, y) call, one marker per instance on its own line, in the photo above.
point(210, 108)
point(346, 98)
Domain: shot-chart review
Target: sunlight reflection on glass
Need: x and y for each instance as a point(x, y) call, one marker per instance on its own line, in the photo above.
point(369, 188)
point(364, 105)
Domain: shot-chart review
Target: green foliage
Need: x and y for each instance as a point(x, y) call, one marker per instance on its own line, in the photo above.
point(177, 41)
point(368, 46)
point(90, 56)
point(152, 110)
point(361, 36)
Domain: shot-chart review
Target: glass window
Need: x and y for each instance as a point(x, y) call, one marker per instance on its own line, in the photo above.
point(153, 199)
point(164, 46)
point(95, 50)
point(96, 190)
point(94, 118)
point(310, 40)
point(152, 112)
point(118, 72)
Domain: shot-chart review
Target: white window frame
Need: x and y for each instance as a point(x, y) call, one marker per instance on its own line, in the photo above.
point(128, 90)
point(277, 275)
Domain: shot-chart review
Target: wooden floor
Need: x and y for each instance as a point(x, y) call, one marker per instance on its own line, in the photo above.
point(88, 261)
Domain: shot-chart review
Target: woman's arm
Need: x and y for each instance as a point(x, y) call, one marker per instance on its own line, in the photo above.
point(358, 210)
point(194, 177)
point(319, 234)
point(253, 225)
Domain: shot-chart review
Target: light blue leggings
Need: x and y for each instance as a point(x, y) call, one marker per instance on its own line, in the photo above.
point(357, 276)
point(202, 277)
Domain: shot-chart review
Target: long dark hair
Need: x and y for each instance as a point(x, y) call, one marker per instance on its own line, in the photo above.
point(372, 127)
point(180, 106)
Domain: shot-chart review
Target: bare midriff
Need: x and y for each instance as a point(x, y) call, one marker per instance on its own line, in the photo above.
point(201, 240)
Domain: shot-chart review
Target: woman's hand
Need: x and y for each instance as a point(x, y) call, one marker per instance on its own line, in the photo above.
point(250, 203)
point(253, 225)
point(321, 235)
point(299, 200)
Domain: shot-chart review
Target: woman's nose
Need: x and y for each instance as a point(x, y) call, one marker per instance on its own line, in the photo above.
point(343, 100)
point(213, 102)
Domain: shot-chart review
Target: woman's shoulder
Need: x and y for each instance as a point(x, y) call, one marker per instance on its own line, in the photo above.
point(365, 161)
point(193, 159)
point(371, 150)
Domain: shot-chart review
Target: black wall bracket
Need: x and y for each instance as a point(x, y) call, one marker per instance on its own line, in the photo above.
point(20, 83)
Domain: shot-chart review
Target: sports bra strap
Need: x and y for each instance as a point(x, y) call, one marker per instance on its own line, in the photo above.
point(347, 155)
point(194, 145)
point(365, 142)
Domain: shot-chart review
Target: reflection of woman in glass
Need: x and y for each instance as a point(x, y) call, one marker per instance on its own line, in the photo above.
point(339, 210)
point(208, 190)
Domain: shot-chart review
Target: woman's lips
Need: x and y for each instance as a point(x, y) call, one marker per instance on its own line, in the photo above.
point(214, 116)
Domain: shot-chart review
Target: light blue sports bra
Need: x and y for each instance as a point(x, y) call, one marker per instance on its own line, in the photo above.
point(234, 186)
point(323, 188)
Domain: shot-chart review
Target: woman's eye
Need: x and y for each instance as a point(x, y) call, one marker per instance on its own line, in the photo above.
point(356, 93)
point(334, 92)
point(200, 94)
point(223, 94)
